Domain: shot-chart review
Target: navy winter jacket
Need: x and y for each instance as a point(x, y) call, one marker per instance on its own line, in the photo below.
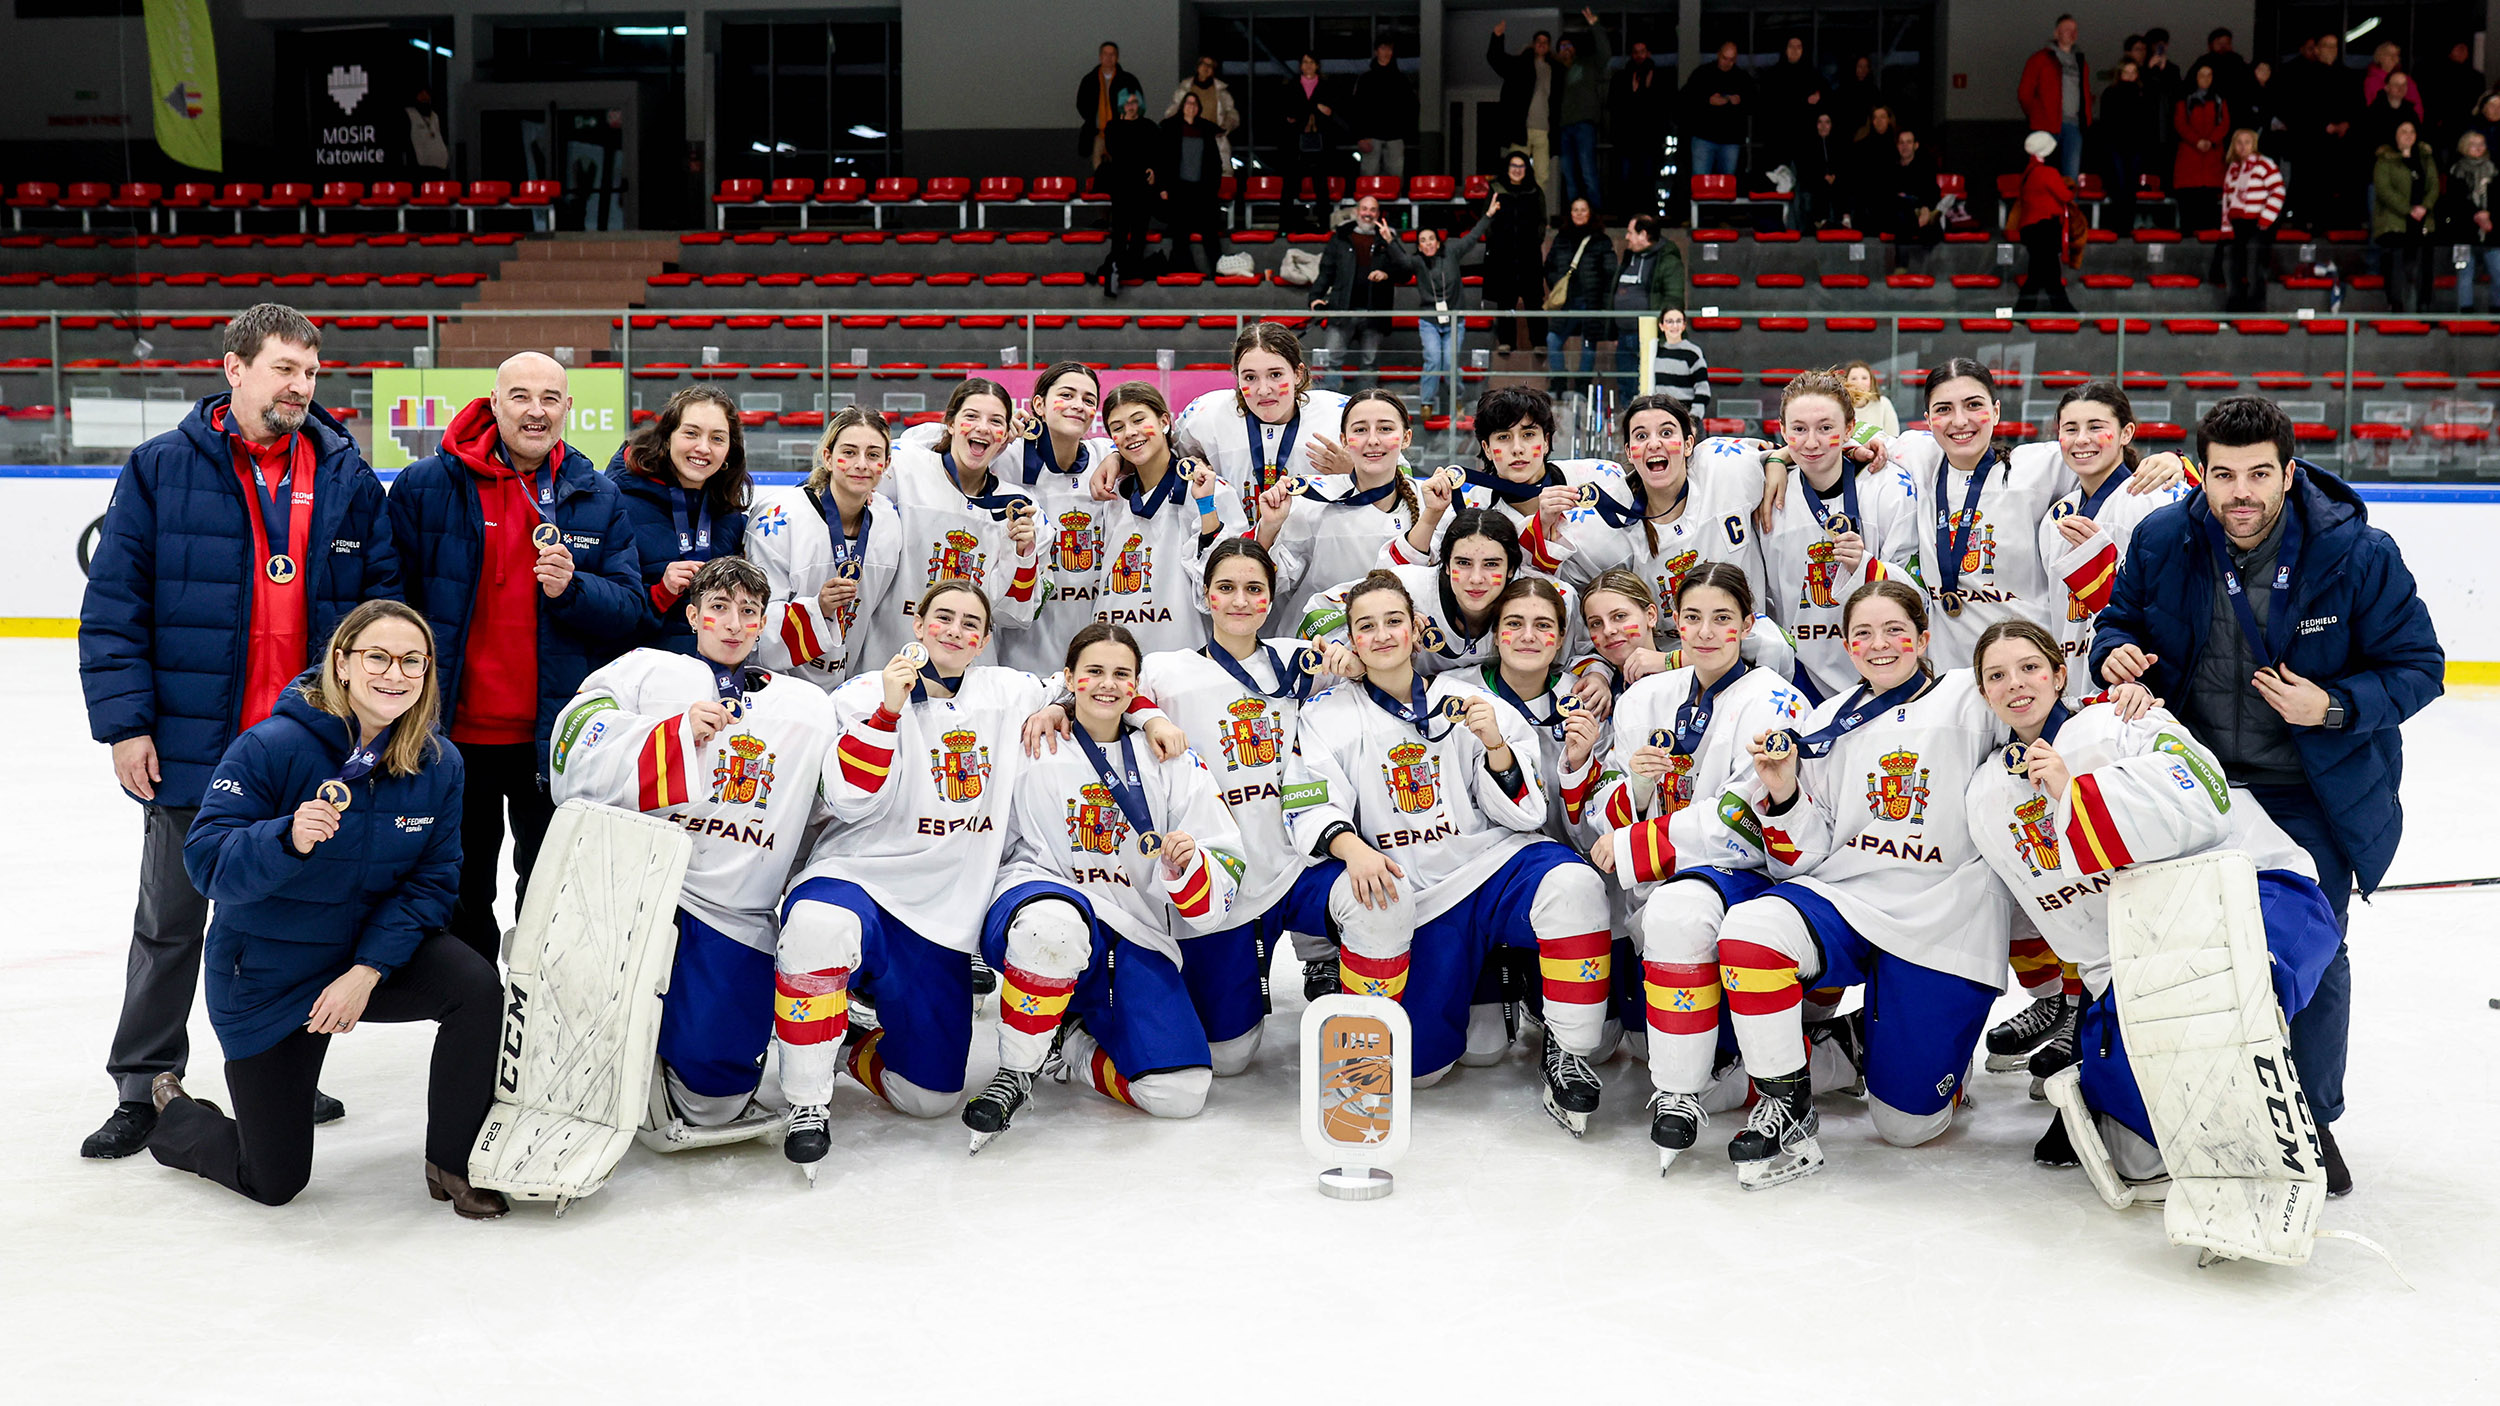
point(655, 546)
point(289, 924)
point(2360, 631)
point(166, 627)
point(441, 532)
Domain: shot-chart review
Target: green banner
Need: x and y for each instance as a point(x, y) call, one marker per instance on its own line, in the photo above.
point(182, 76)
point(412, 409)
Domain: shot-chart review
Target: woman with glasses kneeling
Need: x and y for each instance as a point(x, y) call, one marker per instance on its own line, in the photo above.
point(330, 842)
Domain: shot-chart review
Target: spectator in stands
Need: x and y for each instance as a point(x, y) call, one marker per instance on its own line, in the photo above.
point(1359, 271)
point(1640, 113)
point(1902, 200)
point(2452, 87)
point(1132, 147)
point(2386, 64)
point(1867, 398)
point(2466, 218)
point(1580, 264)
point(2298, 684)
point(428, 153)
point(1792, 97)
point(2202, 121)
point(1718, 103)
point(1579, 104)
point(1215, 105)
point(1307, 116)
point(1822, 166)
point(1514, 252)
point(233, 545)
point(2056, 93)
point(2486, 119)
point(2231, 80)
point(2252, 200)
point(1649, 279)
point(2125, 134)
point(2256, 109)
point(1440, 287)
point(1383, 113)
point(1873, 156)
point(684, 480)
point(2407, 183)
point(2319, 100)
point(1855, 98)
point(2394, 102)
point(1191, 192)
point(1677, 367)
point(518, 623)
point(2164, 82)
point(1098, 102)
point(2040, 215)
point(1526, 106)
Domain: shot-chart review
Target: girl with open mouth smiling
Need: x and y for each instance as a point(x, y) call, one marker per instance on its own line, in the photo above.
point(961, 520)
point(1267, 427)
point(684, 482)
point(1453, 612)
point(833, 549)
point(1542, 499)
point(1156, 533)
point(1330, 528)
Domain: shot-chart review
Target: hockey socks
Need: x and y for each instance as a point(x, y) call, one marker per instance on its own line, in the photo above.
point(1359, 975)
point(2035, 966)
point(1683, 1000)
point(1763, 999)
point(1030, 1006)
point(1169, 1093)
point(811, 1014)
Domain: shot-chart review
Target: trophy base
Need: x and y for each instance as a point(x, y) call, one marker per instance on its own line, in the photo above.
point(1356, 1183)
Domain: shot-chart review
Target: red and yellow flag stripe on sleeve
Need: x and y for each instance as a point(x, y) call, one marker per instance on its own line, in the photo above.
point(2089, 584)
point(661, 767)
point(798, 634)
point(1021, 588)
point(1776, 843)
point(1359, 975)
point(1195, 891)
point(1683, 996)
point(1030, 1003)
point(810, 1008)
point(1532, 542)
point(1646, 848)
point(866, 754)
point(1619, 810)
point(1575, 968)
point(2091, 831)
point(1758, 980)
point(1576, 794)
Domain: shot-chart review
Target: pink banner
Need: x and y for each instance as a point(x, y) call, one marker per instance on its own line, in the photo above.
point(1178, 387)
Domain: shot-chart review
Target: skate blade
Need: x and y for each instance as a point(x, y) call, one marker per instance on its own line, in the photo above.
point(1803, 1160)
point(1576, 1124)
point(2039, 1090)
point(810, 1169)
point(2150, 1193)
point(1666, 1158)
point(2009, 1063)
point(981, 1140)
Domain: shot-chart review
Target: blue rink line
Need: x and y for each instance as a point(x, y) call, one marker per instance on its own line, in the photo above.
point(2370, 492)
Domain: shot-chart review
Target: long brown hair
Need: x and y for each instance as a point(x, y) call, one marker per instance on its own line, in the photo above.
point(2026, 631)
point(1675, 410)
point(2113, 395)
point(1718, 576)
point(965, 390)
point(945, 584)
point(726, 489)
point(413, 739)
point(849, 417)
point(1406, 420)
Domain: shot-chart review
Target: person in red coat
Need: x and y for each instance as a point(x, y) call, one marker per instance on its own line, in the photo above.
point(2202, 121)
point(2056, 93)
point(2040, 214)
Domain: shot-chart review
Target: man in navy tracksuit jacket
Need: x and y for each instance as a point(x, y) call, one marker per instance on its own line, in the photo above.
point(2298, 680)
point(518, 623)
point(234, 544)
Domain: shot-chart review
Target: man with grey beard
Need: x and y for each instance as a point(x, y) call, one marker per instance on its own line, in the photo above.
point(234, 544)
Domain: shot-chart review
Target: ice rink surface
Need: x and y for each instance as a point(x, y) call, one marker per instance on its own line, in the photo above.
point(1092, 1253)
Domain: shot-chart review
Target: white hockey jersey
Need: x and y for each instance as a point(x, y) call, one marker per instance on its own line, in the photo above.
point(2001, 574)
point(920, 808)
point(1324, 542)
point(1067, 537)
point(1068, 827)
point(1244, 736)
point(2088, 568)
point(1566, 559)
point(790, 536)
point(945, 535)
point(1153, 573)
point(1213, 428)
point(2141, 791)
point(1544, 715)
point(1705, 802)
point(1441, 642)
point(1806, 588)
point(1723, 487)
point(747, 796)
point(1426, 801)
point(1877, 828)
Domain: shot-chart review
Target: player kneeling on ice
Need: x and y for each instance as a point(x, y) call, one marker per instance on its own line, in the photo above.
point(2078, 797)
point(735, 755)
point(1114, 860)
point(1879, 886)
point(1432, 787)
point(1679, 834)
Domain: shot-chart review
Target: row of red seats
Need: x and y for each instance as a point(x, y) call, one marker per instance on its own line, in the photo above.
point(801, 193)
point(90, 322)
point(240, 279)
point(371, 239)
point(238, 197)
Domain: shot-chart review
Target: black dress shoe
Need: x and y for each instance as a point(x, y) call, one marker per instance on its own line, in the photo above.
point(123, 1133)
point(2338, 1176)
point(327, 1109)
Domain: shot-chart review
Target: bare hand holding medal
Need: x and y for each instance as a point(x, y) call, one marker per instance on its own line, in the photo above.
point(554, 568)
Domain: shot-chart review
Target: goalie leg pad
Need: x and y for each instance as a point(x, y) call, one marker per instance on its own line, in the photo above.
point(590, 960)
point(2206, 1039)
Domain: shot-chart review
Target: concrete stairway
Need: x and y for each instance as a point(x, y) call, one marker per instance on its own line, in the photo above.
point(569, 271)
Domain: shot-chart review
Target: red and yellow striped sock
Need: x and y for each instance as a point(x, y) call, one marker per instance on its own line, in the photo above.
point(1683, 997)
point(1031, 1004)
point(1106, 1079)
point(2070, 979)
point(810, 1008)
point(1576, 968)
point(867, 1067)
point(1358, 975)
point(2035, 966)
point(1758, 980)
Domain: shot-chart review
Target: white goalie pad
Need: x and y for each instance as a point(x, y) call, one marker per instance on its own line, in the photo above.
point(589, 964)
point(2208, 1046)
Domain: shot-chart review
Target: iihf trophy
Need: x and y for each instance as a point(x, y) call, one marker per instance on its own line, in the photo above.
point(1358, 1088)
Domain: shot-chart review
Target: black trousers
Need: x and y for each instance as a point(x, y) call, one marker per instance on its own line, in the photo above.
point(1131, 213)
point(154, 1034)
point(2252, 249)
point(498, 778)
point(1193, 210)
point(2044, 278)
point(2406, 263)
point(265, 1150)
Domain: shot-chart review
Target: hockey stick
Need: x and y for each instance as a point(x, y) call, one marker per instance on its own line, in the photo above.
point(2434, 884)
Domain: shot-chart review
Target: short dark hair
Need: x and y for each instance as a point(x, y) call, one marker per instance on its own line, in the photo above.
point(1648, 224)
point(258, 323)
point(733, 574)
point(2157, 35)
point(1503, 407)
point(2243, 420)
point(2061, 19)
point(2220, 32)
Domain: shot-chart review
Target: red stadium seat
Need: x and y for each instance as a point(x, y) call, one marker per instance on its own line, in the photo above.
point(339, 195)
point(537, 195)
point(946, 190)
point(841, 190)
point(435, 195)
point(487, 194)
point(999, 190)
point(35, 195)
point(286, 195)
point(1051, 189)
point(1377, 187)
point(894, 190)
point(790, 190)
point(1431, 189)
point(140, 195)
point(1714, 187)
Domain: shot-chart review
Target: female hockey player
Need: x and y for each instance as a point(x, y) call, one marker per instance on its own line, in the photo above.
point(1834, 528)
point(1679, 503)
point(2082, 793)
point(961, 520)
point(1541, 500)
point(832, 550)
point(1113, 860)
point(1051, 461)
point(330, 843)
point(1678, 835)
point(712, 744)
point(1430, 787)
point(1453, 615)
point(1526, 673)
point(1329, 528)
point(1155, 534)
point(1267, 427)
point(1879, 886)
point(683, 478)
point(1621, 619)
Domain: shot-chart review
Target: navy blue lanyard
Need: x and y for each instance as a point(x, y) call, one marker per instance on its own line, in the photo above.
point(849, 553)
point(1615, 513)
point(1509, 491)
point(277, 506)
point(1359, 498)
point(2018, 752)
point(694, 531)
point(1953, 530)
point(359, 764)
point(1692, 716)
point(929, 675)
point(1293, 680)
point(1820, 742)
point(1417, 713)
point(1039, 446)
point(1849, 520)
point(2272, 642)
point(1261, 476)
point(729, 681)
point(1127, 792)
point(998, 505)
point(2090, 506)
point(1555, 713)
point(1173, 487)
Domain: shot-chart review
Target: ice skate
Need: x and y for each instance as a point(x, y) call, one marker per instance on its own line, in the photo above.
point(809, 1137)
point(1674, 1124)
point(988, 1114)
point(1320, 977)
point(1571, 1087)
point(2011, 1041)
point(1836, 1054)
point(2055, 1148)
point(1055, 1064)
point(1778, 1143)
point(984, 985)
point(2053, 1056)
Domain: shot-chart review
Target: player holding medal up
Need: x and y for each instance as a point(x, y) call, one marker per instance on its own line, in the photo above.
point(1329, 528)
point(961, 520)
point(833, 551)
point(1540, 499)
point(1156, 532)
point(1266, 429)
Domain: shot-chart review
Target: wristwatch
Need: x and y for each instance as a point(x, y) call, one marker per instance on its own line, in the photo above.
point(2334, 712)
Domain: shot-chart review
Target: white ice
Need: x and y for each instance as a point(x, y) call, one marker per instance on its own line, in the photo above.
point(1094, 1253)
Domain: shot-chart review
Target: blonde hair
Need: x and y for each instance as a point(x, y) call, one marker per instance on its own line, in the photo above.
point(847, 418)
point(413, 740)
point(1873, 382)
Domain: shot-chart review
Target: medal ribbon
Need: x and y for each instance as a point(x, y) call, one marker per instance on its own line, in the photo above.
point(1820, 742)
point(1358, 498)
point(1510, 492)
point(1692, 717)
point(2090, 506)
point(1293, 680)
point(846, 548)
point(1262, 477)
point(1953, 530)
point(1416, 714)
point(1039, 447)
point(1127, 792)
point(998, 505)
point(1553, 717)
point(693, 533)
point(1848, 501)
point(929, 675)
point(1172, 489)
point(361, 760)
point(2274, 641)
